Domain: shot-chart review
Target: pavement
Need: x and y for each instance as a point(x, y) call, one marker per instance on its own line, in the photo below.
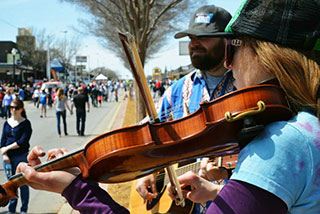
point(115, 122)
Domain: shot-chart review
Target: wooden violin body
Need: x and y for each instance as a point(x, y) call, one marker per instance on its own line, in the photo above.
point(133, 152)
point(129, 153)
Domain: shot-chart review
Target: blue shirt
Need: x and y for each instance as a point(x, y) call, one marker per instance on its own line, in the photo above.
point(21, 94)
point(7, 99)
point(185, 95)
point(285, 161)
point(20, 134)
point(212, 82)
point(43, 99)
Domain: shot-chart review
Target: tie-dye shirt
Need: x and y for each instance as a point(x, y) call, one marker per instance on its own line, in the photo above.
point(184, 96)
point(285, 160)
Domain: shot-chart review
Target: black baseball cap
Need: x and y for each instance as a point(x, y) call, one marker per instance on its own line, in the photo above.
point(294, 23)
point(207, 19)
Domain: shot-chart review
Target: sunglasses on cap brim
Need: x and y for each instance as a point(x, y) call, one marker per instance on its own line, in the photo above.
point(231, 44)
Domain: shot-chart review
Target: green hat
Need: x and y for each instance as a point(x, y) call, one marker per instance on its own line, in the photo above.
point(207, 19)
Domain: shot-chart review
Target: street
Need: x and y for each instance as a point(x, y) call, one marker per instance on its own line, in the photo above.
point(98, 121)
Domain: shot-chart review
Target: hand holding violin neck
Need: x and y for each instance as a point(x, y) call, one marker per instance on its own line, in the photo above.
point(8, 190)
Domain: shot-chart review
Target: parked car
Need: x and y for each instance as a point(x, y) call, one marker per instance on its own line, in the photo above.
point(53, 85)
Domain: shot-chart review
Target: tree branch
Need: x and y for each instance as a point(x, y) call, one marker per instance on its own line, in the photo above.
point(129, 17)
point(168, 7)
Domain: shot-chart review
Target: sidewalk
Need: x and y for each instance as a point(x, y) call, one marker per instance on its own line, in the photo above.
point(118, 120)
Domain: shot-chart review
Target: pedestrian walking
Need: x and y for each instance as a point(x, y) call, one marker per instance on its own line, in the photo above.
point(1, 100)
point(7, 99)
point(106, 93)
point(61, 102)
point(43, 101)
point(94, 96)
point(50, 99)
point(21, 93)
point(79, 101)
point(35, 96)
point(14, 148)
point(99, 97)
point(115, 91)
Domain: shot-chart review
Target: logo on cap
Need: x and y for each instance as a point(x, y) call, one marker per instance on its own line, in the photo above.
point(203, 18)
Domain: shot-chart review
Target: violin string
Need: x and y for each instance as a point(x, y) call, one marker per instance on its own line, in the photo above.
point(194, 167)
point(170, 111)
point(169, 114)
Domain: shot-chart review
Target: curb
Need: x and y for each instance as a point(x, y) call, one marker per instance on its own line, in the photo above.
point(66, 208)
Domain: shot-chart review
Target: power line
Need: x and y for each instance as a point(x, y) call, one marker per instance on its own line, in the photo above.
point(8, 23)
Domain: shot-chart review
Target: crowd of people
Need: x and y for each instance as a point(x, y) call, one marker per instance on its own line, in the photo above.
point(159, 86)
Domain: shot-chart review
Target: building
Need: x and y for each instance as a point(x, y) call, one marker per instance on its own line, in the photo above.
point(37, 59)
point(11, 67)
point(156, 74)
point(20, 61)
point(25, 40)
point(179, 72)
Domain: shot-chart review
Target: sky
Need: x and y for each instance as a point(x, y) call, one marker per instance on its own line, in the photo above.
point(61, 19)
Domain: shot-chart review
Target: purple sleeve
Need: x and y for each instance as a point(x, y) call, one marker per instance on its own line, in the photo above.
point(243, 198)
point(87, 197)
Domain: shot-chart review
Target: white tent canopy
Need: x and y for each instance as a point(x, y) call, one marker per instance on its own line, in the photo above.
point(101, 77)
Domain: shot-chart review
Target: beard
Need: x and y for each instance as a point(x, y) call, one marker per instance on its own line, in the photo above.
point(210, 58)
point(205, 62)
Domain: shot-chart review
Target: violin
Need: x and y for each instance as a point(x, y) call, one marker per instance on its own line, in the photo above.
point(132, 152)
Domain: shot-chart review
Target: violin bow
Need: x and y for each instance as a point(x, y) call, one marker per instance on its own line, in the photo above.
point(147, 98)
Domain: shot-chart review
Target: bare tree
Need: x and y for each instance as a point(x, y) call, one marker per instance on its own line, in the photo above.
point(37, 56)
point(44, 40)
point(105, 71)
point(63, 50)
point(149, 21)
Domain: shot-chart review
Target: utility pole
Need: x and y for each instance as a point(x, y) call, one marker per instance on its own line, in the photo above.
point(48, 65)
point(14, 52)
point(65, 54)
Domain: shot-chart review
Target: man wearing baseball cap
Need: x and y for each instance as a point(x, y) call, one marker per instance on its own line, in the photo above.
point(209, 80)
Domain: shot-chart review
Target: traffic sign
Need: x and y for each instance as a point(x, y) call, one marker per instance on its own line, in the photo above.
point(18, 62)
point(81, 58)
